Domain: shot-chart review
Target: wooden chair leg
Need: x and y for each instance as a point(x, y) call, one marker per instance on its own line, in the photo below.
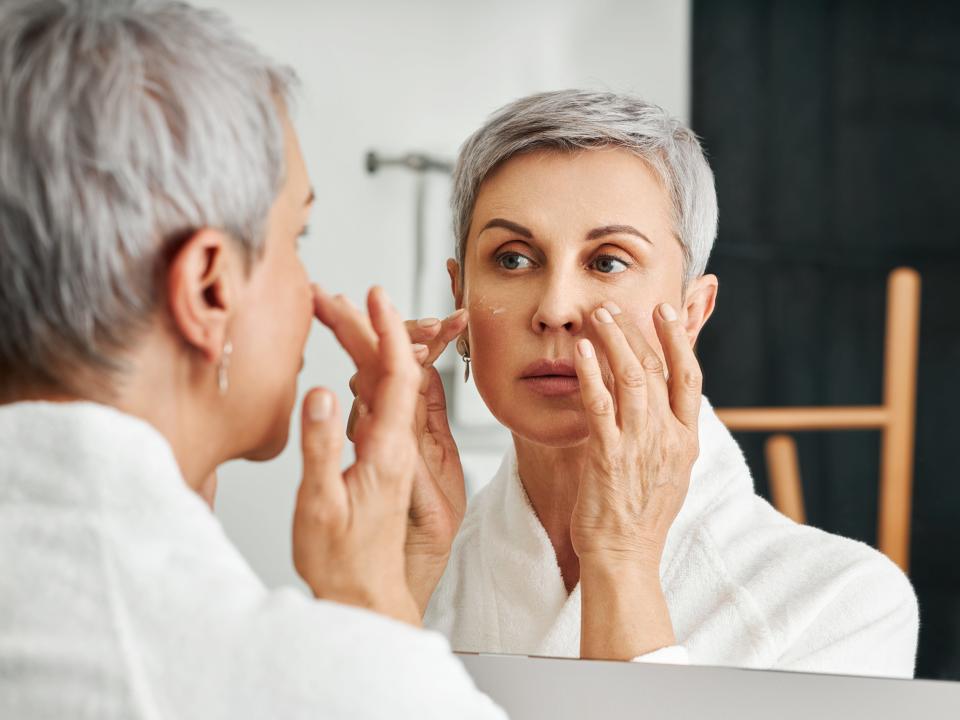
point(899, 397)
point(783, 470)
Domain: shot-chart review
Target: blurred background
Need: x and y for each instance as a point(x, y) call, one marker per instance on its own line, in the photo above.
point(834, 132)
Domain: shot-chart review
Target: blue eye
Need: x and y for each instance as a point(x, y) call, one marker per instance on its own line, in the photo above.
point(514, 261)
point(609, 265)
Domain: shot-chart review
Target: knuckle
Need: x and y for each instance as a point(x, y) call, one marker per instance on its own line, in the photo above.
point(692, 378)
point(316, 514)
point(651, 363)
point(600, 406)
point(633, 377)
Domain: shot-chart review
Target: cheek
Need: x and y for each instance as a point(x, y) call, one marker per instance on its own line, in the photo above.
point(291, 288)
point(283, 311)
point(497, 323)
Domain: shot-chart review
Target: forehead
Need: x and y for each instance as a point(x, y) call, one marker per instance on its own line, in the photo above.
point(583, 189)
point(296, 179)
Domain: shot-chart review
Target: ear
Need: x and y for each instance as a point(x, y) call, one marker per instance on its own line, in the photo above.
point(456, 286)
point(200, 292)
point(700, 300)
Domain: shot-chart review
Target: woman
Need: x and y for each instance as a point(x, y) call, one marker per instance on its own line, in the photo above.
point(623, 522)
point(153, 315)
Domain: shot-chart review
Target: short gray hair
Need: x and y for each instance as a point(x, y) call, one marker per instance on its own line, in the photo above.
point(125, 126)
point(569, 120)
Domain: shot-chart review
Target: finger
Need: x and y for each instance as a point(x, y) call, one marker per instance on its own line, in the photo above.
point(435, 401)
point(423, 330)
point(630, 378)
point(650, 360)
point(451, 328)
point(597, 401)
point(358, 411)
point(441, 333)
point(350, 326)
point(395, 397)
point(686, 378)
point(322, 442)
point(420, 352)
point(363, 385)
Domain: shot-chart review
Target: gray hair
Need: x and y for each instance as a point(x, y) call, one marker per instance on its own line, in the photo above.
point(125, 126)
point(569, 120)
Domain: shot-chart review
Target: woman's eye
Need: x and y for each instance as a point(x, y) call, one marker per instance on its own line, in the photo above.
point(514, 261)
point(609, 265)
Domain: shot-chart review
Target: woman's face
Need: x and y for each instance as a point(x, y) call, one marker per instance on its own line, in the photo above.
point(554, 235)
point(270, 328)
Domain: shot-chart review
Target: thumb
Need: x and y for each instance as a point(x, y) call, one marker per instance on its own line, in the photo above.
point(322, 440)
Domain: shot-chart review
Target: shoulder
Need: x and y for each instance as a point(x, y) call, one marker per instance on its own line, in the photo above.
point(757, 543)
point(826, 602)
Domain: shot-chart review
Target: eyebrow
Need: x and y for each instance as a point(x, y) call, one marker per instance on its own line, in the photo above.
point(616, 230)
point(507, 225)
point(594, 234)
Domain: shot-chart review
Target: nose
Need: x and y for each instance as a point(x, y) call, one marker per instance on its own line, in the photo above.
point(559, 308)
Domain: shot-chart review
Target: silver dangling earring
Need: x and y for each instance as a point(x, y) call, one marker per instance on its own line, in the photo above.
point(223, 381)
point(463, 347)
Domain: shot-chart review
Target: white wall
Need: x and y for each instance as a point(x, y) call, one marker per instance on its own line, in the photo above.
point(398, 76)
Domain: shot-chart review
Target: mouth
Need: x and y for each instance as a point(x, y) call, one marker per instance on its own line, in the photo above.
point(551, 377)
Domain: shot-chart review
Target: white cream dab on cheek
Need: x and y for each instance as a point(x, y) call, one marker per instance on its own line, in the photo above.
point(496, 311)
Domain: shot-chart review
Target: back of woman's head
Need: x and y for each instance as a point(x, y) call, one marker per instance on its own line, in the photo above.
point(125, 126)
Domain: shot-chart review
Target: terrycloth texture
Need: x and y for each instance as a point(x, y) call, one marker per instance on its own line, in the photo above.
point(745, 586)
point(120, 597)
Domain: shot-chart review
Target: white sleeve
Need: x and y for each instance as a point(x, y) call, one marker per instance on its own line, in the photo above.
point(670, 655)
point(304, 658)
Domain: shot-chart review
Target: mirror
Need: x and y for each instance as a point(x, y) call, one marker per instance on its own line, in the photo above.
point(831, 131)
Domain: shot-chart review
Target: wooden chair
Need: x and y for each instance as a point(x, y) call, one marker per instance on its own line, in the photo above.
point(895, 419)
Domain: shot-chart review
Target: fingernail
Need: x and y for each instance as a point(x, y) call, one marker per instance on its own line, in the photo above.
point(320, 405)
point(667, 312)
point(456, 315)
point(603, 315)
point(418, 348)
point(585, 348)
point(612, 307)
point(427, 322)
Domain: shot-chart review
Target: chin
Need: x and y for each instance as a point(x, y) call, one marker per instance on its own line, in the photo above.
point(554, 428)
point(272, 447)
point(555, 422)
point(273, 438)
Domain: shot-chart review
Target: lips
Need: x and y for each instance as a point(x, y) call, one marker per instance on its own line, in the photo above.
point(551, 377)
point(546, 368)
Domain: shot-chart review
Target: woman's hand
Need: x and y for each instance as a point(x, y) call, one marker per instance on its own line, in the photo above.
point(439, 498)
point(642, 446)
point(350, 527)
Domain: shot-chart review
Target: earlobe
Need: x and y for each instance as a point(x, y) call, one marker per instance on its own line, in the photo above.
point(200, 292)
point(701, 299)
point(453, 270)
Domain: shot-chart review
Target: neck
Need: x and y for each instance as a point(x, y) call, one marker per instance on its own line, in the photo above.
point(551, 479)
point(161, 392)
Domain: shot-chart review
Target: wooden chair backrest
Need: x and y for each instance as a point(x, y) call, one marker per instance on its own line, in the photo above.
point(895, 419)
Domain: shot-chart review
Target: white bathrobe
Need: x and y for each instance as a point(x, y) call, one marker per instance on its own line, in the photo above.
point(120, 597)
point(745, 586)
